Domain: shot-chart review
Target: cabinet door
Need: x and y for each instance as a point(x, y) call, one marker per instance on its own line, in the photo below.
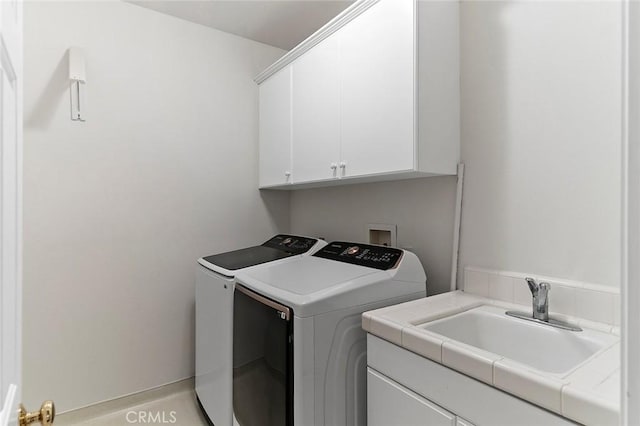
point(377, 65)
point(389, 403)
point(275, 129)
point(316, 112)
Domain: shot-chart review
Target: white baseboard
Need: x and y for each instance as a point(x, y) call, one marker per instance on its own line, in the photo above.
point(85, 414)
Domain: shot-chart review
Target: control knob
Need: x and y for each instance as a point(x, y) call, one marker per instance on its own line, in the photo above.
point(353, 250)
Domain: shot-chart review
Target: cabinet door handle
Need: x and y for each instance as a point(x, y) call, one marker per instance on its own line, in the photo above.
point(334, 170)
point(343, 167)
point(287, 174)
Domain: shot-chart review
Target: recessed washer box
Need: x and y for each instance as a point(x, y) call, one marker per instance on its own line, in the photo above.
point(382, 234)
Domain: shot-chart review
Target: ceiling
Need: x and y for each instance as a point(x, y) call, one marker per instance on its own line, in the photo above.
point(283, 23)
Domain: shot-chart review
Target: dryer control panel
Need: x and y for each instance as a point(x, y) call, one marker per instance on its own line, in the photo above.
point(377, 257)
point(291, 243)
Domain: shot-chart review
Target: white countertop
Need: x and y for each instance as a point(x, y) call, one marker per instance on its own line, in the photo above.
point(589, 394)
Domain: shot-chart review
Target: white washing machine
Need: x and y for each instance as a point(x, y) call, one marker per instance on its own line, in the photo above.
point(214, 316)
point(299, 348)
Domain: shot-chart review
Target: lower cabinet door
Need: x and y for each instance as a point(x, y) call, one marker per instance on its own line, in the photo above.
point(389, 403)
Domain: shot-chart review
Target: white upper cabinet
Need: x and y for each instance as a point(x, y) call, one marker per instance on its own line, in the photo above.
point(316, 112)
point(373, 95)
point(378, 90)
point(275, 129)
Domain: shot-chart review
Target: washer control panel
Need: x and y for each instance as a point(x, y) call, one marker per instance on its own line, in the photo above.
point(377, 257)
point(291, 243)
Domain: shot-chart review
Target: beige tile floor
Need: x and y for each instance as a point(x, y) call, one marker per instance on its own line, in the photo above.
point(175, 405)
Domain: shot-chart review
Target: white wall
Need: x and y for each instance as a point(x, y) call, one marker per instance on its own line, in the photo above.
point(117, 209)
point(422, 209)
point(541, 130)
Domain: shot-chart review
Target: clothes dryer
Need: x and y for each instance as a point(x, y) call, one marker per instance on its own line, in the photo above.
point(299, 350)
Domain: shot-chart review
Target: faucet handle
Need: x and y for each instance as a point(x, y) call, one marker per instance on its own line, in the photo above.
point(533, 286)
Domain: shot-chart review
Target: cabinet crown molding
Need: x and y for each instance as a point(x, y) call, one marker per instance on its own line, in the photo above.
point(331, 27)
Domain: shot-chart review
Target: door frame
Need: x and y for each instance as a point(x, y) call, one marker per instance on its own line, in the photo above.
point(630, 265)
point(11, 128)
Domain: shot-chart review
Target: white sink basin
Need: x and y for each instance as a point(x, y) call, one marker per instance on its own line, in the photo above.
point(539, 346)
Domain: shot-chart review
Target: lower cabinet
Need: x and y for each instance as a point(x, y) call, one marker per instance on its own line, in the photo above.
point(406, 389)
point(389, 403)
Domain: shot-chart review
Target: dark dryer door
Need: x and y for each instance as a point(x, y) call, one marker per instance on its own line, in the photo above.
point(262, 360)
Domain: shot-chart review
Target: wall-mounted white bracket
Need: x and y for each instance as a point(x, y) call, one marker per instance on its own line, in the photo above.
point(77, 77)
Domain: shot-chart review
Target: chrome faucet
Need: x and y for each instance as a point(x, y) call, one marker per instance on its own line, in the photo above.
point(540, 293)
